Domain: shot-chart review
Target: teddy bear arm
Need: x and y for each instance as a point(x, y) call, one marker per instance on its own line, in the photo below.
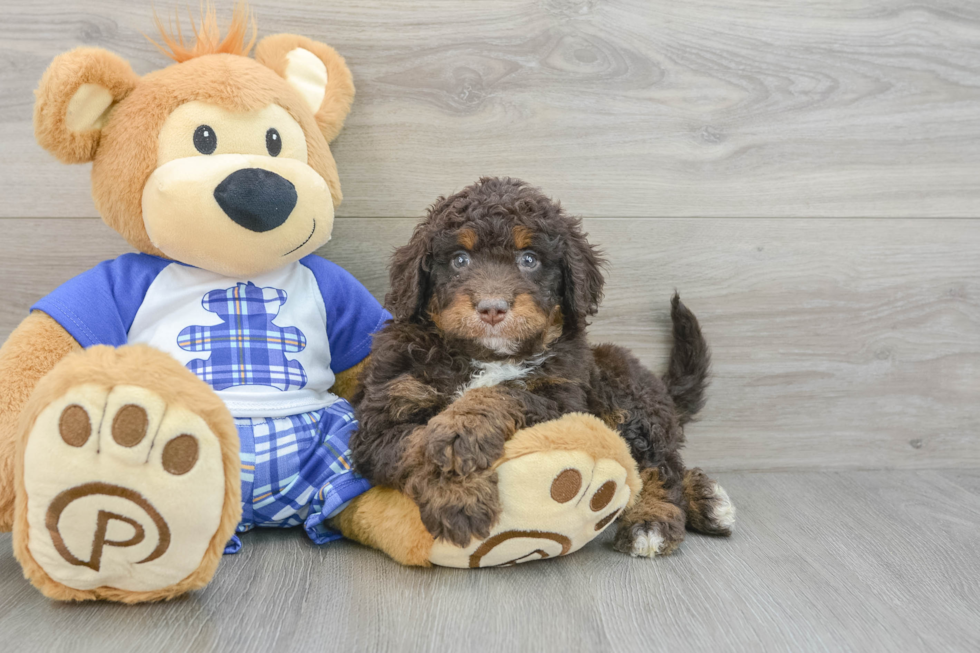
point(346, 383)
point(31, 351)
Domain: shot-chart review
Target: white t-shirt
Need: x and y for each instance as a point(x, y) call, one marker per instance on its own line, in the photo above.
point(269, 345)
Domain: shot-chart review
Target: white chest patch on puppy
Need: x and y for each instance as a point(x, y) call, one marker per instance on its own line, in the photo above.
point(489, 374)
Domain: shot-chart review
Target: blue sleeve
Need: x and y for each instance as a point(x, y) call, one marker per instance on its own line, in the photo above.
point(353, 314)
point(98, 307)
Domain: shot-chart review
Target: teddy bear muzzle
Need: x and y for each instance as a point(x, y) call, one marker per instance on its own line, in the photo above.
point(237, 214)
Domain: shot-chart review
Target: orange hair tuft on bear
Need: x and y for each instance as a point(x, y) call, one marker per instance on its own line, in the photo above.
point(207, 39)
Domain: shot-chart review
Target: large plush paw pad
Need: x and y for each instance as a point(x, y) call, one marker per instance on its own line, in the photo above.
point(123, 490)
point(552, 503)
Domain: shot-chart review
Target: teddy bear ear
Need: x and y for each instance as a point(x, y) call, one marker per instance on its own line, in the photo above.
point(316, 71)
point(74, 98)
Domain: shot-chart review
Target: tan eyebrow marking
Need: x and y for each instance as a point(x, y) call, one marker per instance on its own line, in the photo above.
point(522, 237)
point(467, 238)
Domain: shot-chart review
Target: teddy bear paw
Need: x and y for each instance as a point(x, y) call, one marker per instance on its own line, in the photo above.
point(553, 503)
point(123, 491)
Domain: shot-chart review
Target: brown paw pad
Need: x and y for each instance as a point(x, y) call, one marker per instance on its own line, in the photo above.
point(129, 425)
point(568, 484)
point(603, 496)
point(74, 425)
point(605, 521)
point(180, 454)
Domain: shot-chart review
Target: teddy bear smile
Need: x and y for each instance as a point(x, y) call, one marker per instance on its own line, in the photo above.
point(312, 231)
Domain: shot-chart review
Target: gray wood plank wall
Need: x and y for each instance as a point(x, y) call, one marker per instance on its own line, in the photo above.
point(621, 108)
point(842, 302)
point(837, 343)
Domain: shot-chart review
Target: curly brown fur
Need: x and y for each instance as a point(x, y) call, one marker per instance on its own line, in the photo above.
point(490, 299)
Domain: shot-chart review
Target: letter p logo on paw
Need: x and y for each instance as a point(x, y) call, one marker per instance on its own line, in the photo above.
point(103, 520)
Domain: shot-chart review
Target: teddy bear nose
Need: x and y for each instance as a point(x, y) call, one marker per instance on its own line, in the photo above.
point(257, 199)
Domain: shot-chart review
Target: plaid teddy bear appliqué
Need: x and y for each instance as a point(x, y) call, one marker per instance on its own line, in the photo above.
point(247, 348)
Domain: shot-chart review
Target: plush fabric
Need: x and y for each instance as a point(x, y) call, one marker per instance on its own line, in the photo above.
point(296, 470)
point(67, 74)
point(387, 520)
point(235, 123)
point(543, 514)
point(125, 149)
point(347, 381)
point(134, 366)
point(270, 345)
point(31, 351)
point(274, 51)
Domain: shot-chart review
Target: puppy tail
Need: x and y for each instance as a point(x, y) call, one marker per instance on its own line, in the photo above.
point(687, 373)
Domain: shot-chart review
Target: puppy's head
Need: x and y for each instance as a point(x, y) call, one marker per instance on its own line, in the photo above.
point(498, 268)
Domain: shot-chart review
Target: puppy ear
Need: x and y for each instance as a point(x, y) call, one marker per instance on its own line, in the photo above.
point(317, 72)
point(581, 275)
point(410, 280)
point(74, 98)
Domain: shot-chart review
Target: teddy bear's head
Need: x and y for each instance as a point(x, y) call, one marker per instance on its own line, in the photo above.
point(219, 161)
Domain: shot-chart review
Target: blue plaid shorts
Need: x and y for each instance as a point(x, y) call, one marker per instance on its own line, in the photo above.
point(296, 471)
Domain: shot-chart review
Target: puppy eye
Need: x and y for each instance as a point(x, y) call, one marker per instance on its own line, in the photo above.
point(273, 142)
point(205, 140)
point(461, 260)
point(527, 260)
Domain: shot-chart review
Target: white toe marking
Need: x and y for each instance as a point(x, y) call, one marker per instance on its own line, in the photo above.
point(723, 510)
point(648, 543)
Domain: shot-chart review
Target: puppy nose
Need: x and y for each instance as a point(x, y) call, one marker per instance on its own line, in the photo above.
point(256, 199)
point(492, 311)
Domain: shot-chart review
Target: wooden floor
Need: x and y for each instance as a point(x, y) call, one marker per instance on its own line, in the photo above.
point(832, 561)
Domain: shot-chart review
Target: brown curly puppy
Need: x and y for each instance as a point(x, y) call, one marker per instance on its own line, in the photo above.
point(490, 299)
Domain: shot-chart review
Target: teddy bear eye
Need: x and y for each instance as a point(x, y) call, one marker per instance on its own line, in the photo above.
point(273, 142)
point(205, 140)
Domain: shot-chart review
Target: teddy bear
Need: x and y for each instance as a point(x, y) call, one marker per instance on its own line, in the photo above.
point(161, 403)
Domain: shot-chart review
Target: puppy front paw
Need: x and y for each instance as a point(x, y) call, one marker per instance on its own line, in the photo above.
point(461, 509)
point(462, 444)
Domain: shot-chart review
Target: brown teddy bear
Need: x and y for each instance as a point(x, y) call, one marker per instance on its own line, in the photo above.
point(154, 404)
